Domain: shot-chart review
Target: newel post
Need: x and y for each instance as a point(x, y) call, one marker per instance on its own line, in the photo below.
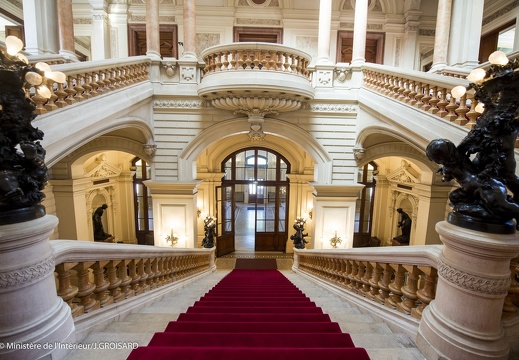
point(463, 322)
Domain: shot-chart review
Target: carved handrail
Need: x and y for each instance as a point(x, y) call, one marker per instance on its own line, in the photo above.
point(89, 79)
point(90, 276)
point(424, 91)
point(247, 56)
point(400, 279)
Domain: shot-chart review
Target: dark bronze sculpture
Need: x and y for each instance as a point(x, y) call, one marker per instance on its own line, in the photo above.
point(299, 237)
point(99, 232)
point(404, 224)
point(484, 163)
point(23, 173)
point(210, 232)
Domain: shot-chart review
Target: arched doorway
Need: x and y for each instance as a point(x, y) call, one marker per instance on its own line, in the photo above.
point(252, 201)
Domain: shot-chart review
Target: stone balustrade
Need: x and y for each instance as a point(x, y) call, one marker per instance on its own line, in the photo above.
point(424, 91)
point(90, 276)
point(254, 56)
point(407, 285)
point(90, 79)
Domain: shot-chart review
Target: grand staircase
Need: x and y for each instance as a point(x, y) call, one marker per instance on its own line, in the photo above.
point(183, 325)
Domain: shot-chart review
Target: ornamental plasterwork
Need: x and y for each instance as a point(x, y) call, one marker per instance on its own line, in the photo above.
point(500, 12)
point(398, 45)
point(475, 283)
point(404, 174)
point(160, 1)
point(19, 277)
point(324, 77)
point(188, 73)
point(373, 5)
point(334, 108)
point(206, 40)
point(181, 104)
point(83, 21)
point(100, 17)
point(427, 54)
point(427, 32)
point(102, 169)
point(142, 18)
point(16, 3)
point(252, 21)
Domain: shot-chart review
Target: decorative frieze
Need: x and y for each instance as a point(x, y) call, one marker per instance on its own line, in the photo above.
point(350, 25)
point(254, 21)
point(335, 108)
point(17, 278)
point(181, 104)
point(83, 21)
point(142, 19)
point(510, 7)
point(475, 283)
point(427, 32)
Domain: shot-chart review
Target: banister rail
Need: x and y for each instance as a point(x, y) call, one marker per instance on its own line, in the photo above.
point(257, 57)
point(400, 279)
point(424, 91)
point(89, 79)
point(90, 276)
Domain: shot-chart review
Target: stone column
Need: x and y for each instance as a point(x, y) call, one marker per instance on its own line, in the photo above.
point(441, 39)
point(100, 32)
point(152, 29)
point(411, 34)
point(41, 27)
point(189, 18)
point(119, 30)
point(32, 313)
point(359, 33)
point(325, 24)
point(464, 320)
point(66, 29)
point(464, 41)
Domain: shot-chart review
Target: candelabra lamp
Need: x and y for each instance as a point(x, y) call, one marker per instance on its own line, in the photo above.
point(299, 237)
point(210, 232)
point(23, 173)
point(483, 163)
point(172, 239)
point(335, 240)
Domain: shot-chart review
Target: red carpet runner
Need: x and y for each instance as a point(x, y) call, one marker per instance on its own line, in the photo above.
point(252, 315)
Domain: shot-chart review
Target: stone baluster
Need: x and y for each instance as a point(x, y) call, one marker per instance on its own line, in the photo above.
point(472, 115)
point(419, 96)
point(409, 290)
point(115, 282)
point(427, 293)
point(51, 105)
point(101, 284)
point(78, 88)
point(65, 289)
point(433, 109)
point(388, 272)
point(396, 287)
point(148, 265)
point(352, 286)
point(143, 275)
point(39, 101)
point(85, 287)
point(374, 281)
point(366, 287)
point(70, 99)
point(126, 280)
point(442, 104)
point(134, 284)
point(462, 111)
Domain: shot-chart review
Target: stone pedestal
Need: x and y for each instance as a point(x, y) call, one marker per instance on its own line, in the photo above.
point(464, 321)
point(34, 321)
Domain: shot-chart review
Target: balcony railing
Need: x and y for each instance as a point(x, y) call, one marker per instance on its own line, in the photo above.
point(254, 56)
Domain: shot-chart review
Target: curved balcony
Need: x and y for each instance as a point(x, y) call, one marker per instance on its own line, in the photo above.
point(256, 78)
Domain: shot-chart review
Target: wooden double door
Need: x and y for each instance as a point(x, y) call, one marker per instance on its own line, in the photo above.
point(254, 198)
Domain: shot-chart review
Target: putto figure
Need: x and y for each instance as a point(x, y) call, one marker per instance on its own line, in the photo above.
point(484, 163)
point(299, 237)
point(23, 173)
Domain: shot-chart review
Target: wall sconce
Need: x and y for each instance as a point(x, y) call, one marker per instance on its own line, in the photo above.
point(335, 240)
point(198, 212)
point(172, 238)
point(310, 213)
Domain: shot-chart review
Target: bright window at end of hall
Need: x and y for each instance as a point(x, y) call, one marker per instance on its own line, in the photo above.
point(505, 41)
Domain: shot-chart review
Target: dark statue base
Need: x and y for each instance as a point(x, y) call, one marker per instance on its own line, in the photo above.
point(468, 222)
point(21, 215)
